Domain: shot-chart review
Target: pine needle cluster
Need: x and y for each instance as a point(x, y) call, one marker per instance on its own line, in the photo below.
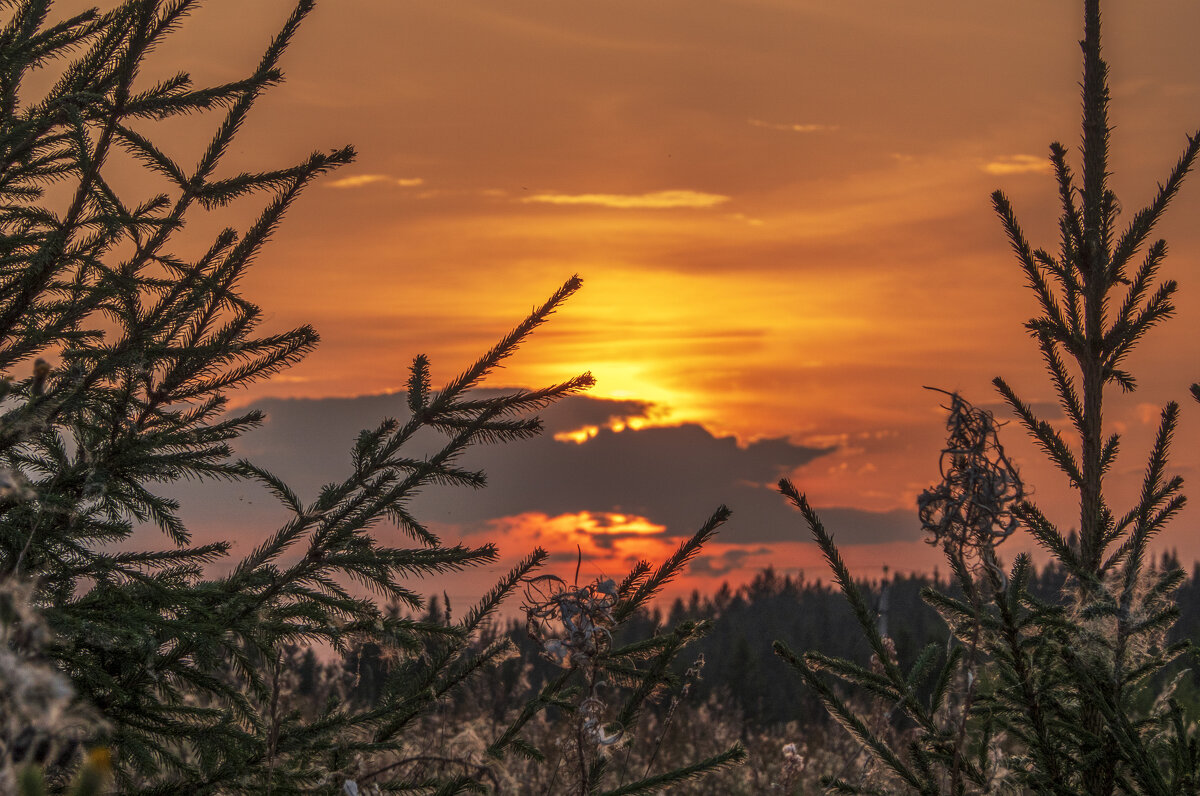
point(119, 346)
point(1063, 697)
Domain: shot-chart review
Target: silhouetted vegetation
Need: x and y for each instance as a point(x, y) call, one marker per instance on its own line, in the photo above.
point(1063, 696)
point(119, 343)
point(739, 691)
point(141, 670)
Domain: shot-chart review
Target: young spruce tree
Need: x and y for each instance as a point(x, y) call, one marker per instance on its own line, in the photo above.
point(118, 347)
point(1063, 698)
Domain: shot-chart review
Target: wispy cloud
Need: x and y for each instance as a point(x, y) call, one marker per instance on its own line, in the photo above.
point(359, 180)
point(794, 128)
point(1017, 164)
point(658, 200)
point(749, 220)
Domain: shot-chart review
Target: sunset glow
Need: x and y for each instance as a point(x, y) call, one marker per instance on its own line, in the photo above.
point(544, 397)
point(780, 211)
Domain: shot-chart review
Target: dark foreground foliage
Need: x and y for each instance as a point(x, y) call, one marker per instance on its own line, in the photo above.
point(140, 669)
point(119, 342)
point(1029, 694)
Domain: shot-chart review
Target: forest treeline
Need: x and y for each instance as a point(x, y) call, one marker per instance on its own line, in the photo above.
point(738, 670)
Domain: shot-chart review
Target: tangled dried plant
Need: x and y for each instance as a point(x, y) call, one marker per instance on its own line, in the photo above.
point(573, 627)
point(572, 624)
point(970, 511)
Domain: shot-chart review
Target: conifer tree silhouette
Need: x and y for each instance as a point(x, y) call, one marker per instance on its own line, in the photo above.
point(1064, 698)
point(118, 348)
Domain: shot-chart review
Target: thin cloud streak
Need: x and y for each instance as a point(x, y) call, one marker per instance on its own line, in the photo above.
point(658, 200)
point(795, 128)
point(361, 180)
point(1018, 164)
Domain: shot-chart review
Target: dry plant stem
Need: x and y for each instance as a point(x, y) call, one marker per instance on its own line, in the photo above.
point(585, 784)
point(852, 759)
point(661, 735)
point(625, 761)
point(969, 669)
point(692, 673)
point(994, 580)
point(969, 514)
point(971, 662)
point(273, 734)
point(557, 767)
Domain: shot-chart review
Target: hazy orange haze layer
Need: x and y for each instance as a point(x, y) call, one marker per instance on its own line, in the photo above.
point(780, 208)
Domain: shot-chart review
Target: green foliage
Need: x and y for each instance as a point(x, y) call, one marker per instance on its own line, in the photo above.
point(1062, 697)
point(576, 627)
point(130, 344)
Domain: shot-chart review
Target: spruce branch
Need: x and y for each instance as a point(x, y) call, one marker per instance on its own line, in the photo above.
point(672, 567)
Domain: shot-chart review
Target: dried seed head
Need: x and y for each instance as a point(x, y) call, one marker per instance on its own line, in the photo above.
point(572, 624)
point(971, 510)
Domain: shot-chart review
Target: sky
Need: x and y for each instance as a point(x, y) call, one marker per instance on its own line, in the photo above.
point(780, 210)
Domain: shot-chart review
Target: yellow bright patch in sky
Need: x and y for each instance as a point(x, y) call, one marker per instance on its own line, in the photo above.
point(610, 542)
point(804, 284)
point(607, 523)
point(588, 432)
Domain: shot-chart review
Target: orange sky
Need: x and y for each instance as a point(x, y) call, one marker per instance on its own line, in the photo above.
point(780, 208)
